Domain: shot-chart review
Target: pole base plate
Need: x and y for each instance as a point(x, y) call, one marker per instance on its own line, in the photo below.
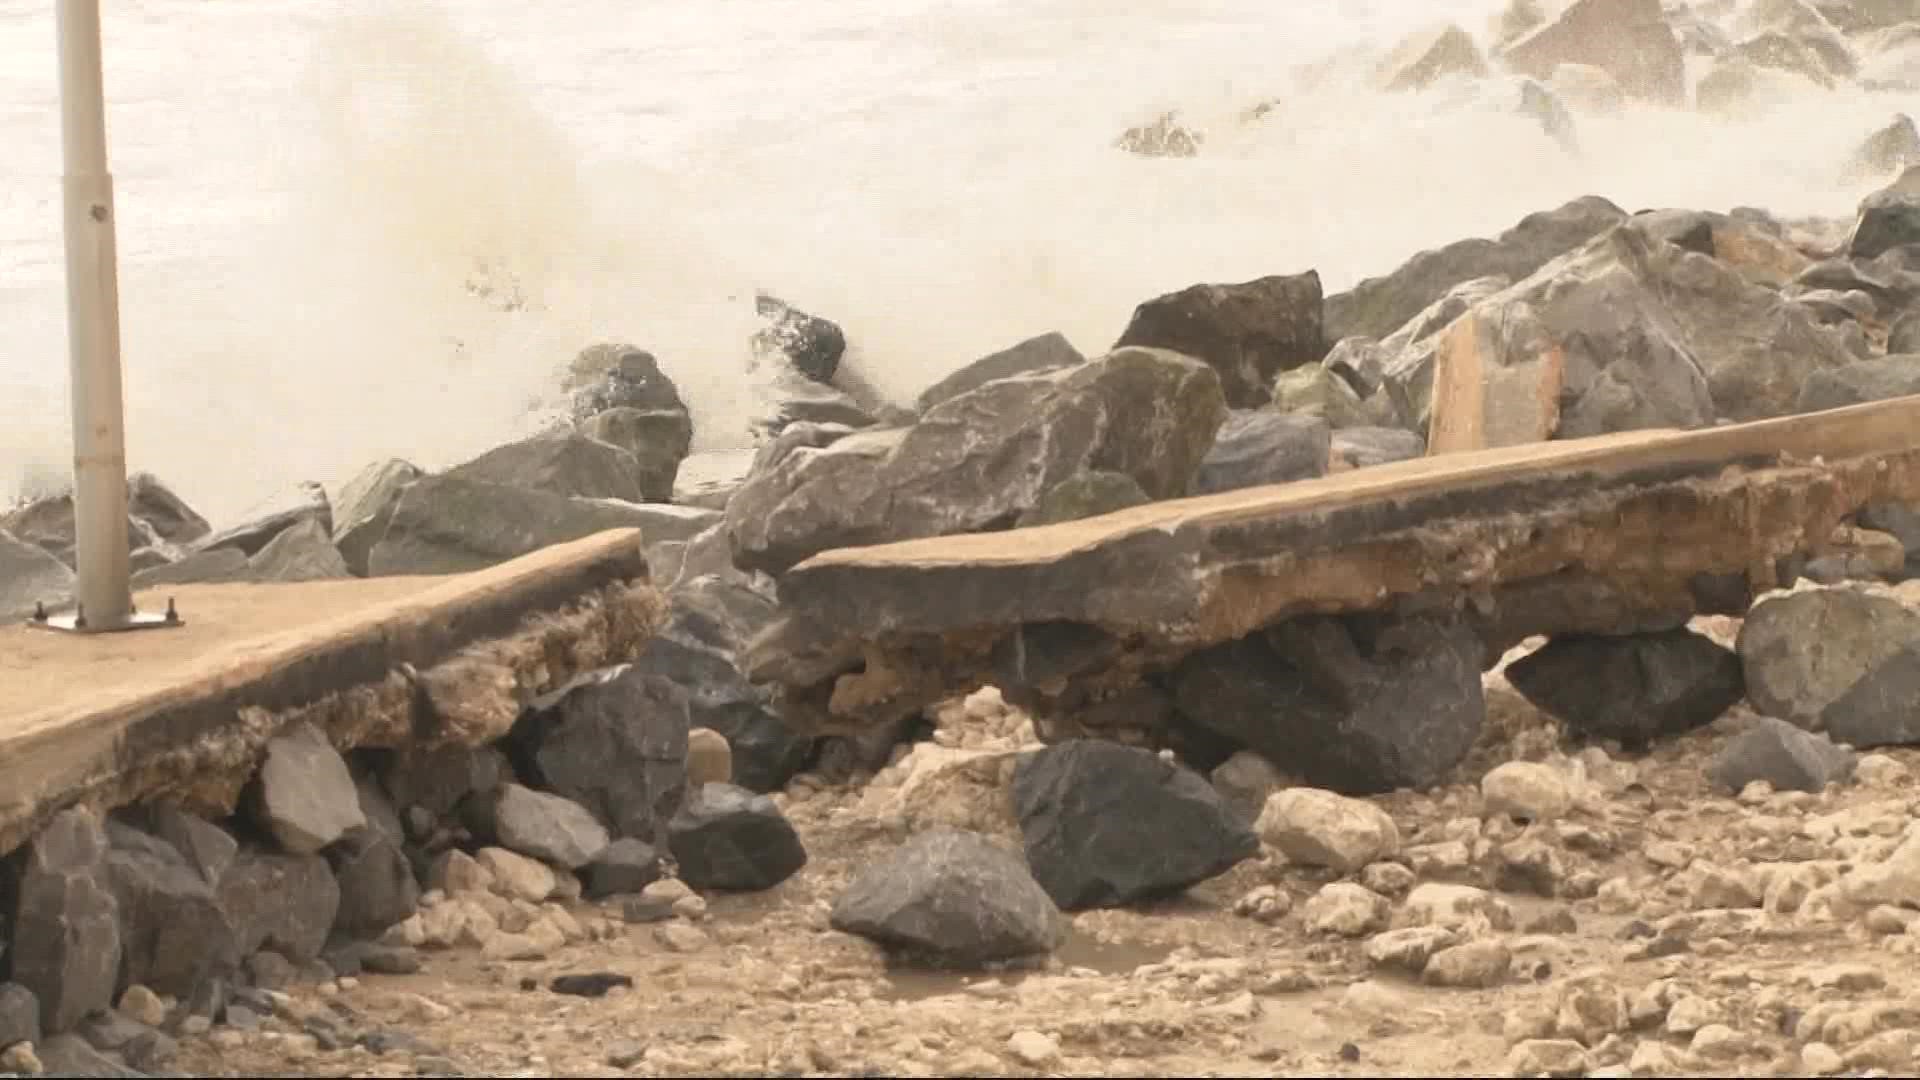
point(72, 624)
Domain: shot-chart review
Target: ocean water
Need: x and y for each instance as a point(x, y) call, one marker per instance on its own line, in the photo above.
point(306, 188)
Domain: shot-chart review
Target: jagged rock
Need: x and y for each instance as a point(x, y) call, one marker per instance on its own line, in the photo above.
point(560, 463)
point(955, 895)
point(1804, 651)
point(1755, 253)
point(1786, 52)
point(1888, 219)
point(304, 796)
point(307, 502)
point(1164, 137)
point(548, 827)
point(1377, 307)
point(365, 506)
point(438, 778)
point(1783, 755)
point(813, 345)
point(1629, 39)
point(1634, 689)
point(1180, 831)
point(981, 459)
point(452, 524)
point(168, 515)
point(791, 398)
point(66, 925)
point(728, 838)
point(1360, 447)
point(1259, 447)
point(614, 741)
point(619, 376)
point(1861, 381)
point(173, 931)
point(1085, 495)
point(1312, 827)
point(1890, 149)
point(30, 575)
point(1633, 332)
point(376, 879)
point(1048, 352)
point(624, 866)
point(658, 439)
point(19, 1014)
point(225, 564)
point(1903, 337)
point(708, 478)
point(1878, 709)
point(1358, 706)
point(70, 1055)
point(48, 523)
point(286, 903)
point(1428, 56)
point(302, 552)
point(1318, 390)
point(1248, 332)
point(764, 752)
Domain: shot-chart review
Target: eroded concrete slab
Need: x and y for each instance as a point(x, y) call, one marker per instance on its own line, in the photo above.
point(1617, 534)
point(181, 714)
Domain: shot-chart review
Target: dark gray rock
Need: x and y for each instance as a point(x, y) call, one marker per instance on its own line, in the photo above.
point(174, 934)
point(614, 741)
point(206, 847)
point(1084, 495)
point(792, 398)
point(302, 552)
point(1362, 447)
point(377, 883)
point(1048, 352)
point(1889, 149)
point(1893, 285)
point(980, 460)
point(1783, 755)
point(1255, 448)
point(1904, 335)
point(19, 1015)
point(1634, 689)
point(167, 514)
point(1888, 219)
point(624, 866)
point(658, 439)
point(1860, 382)
point(1803, 651)
point(70, 1055)
point(954, 895)
point(617, 376)
point(1899, 520)
point(437, 779)
point(813, 345)
point(1379, 306)
point(307, 502)
point(766, 752)
point(453, 524)
point(137, 1044)
point(1246, 332)
point(365, 506)
point(66, 926)
point(223, 564)
point(1359, 705)
point(560, 463)
point(286, 903)
point(728, 838)
point(1878, 710)
point(1179, 831)
point(304, 796)
point(47, 523)
point(543, 825)
point(1632, 40)
point(30, 575)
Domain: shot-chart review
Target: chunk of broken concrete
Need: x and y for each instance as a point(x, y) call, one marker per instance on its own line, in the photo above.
point(1312, 827)
point(955, 896)
point(728, 838)
point(304, 796)
point(1179, 832)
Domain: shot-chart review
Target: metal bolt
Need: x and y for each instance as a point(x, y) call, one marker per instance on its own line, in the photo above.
point(39, 611)
point(173, 616)
point(79, 616)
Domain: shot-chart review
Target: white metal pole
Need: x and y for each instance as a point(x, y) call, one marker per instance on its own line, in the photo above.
point(93, 327)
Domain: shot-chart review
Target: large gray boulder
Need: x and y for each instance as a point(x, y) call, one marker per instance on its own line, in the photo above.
point(1803, 652)
point(1083, 495)
point(66, 923)
point(1632, 40)
point(48, 523)
point(365, 505)
point(174, 932)
point(30, 575)
point(955, 896)
point(305, 502)
point(1048, 352)
point(1248, 332)
point(304, 796)
point(1888, 219)
point(540, 824)
point(453, 524)
point(726, 837)
point(167, 514)
point(1860, 382)
point(1258, 447)
point(303, 552)
point(562, 463)
point(614, 741)
point(287, 903)
point(1179, 830)
point(1377, 307)
point(1358, 705)
point(1632, 688)
point(980, 460)
point(621, 397)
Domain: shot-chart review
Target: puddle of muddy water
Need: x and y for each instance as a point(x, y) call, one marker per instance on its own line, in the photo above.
point(906, 982)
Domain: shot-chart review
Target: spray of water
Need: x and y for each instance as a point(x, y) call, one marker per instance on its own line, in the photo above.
point(421, 213)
